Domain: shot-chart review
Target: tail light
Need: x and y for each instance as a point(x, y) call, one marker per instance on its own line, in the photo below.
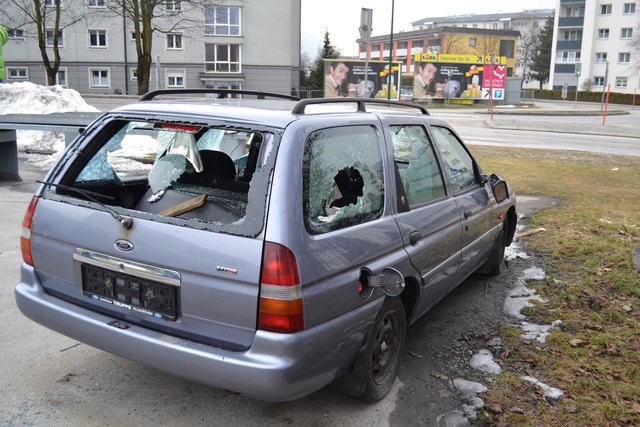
point(281, 307)
point(25, 236)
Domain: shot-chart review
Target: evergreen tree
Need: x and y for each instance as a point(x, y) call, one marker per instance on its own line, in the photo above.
point(541, 66)
point(316, 78)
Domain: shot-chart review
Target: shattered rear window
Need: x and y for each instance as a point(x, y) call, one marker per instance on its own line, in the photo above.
point(201, 175)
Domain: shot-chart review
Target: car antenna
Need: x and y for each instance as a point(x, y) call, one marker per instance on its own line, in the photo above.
point(125, 222)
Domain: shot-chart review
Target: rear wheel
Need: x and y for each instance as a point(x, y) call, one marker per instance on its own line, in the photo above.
point(384, 350)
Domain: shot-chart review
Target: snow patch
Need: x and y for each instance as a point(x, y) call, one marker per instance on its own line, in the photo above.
point(29, 98)
point(483, 361)
point(548, 391)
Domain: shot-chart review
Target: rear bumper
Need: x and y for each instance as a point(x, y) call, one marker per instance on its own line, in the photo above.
point(277, 367)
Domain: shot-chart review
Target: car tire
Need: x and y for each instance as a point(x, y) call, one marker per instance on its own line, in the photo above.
point(384, 350)
point(376, 366)
point(494, 264)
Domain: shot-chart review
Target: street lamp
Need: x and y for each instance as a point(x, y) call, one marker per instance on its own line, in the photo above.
point(366, 19)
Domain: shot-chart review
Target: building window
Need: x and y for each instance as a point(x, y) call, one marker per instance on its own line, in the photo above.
point(605, 9)
point(134, 74)
point(49, 38)
point(575, 12)
point(626, 33)
point(223, 85)
point(17, 73)
point(598, 81)
point(222, 20)
point(507, 48)
point(473, 41)
point(573, 35)
point(416, 43)
point(475, 25)
point(624, 57)
point(222, 58)
point(175, 79)
point(16, 34)
point(603, 33)
point(402, 45)
point(52, 3)
point(97, 3)
point(629, 8)
point(99, 78)
point(174, 41)
point(570, 56)
point(61, 78)
point(601, 57)
point(174, 5)
point(495, 26)
point(97, 39)
point(621, 82)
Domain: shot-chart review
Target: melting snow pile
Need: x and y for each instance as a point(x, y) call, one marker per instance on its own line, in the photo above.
point(29, 98)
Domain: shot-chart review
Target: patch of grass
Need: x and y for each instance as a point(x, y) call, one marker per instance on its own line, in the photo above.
point(587, 245)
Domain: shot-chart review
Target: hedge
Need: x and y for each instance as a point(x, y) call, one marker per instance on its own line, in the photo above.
point(586, 96)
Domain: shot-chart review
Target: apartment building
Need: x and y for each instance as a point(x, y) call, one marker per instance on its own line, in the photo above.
point(592, 45)
point(528, 23)
point(216, 44)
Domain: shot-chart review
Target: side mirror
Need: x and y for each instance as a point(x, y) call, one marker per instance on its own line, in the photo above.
point(499, 188)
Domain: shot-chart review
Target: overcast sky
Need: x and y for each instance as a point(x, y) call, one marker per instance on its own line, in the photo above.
point(342, 17)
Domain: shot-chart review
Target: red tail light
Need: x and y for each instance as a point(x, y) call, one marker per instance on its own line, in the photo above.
point(281, 308)
point(25, 236)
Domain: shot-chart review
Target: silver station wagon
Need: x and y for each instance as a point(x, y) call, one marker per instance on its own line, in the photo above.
point(261, 245)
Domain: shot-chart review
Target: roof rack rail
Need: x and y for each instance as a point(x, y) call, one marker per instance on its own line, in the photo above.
point(222, 93)
point(300, 107)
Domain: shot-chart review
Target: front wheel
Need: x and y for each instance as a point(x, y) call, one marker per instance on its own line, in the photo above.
point(493, 266)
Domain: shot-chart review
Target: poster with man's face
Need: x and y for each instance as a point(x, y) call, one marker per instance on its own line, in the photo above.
point(447, 80)
point(352, 78)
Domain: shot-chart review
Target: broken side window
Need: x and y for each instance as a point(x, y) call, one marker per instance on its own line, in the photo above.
point(343, 179)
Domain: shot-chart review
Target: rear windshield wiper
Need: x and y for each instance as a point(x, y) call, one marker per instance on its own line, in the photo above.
point(93, 196)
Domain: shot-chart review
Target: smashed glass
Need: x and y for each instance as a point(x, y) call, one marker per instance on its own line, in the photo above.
point(166, 171)
point(330, 151)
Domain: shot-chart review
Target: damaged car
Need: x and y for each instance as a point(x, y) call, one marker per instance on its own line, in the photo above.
point(266, 246)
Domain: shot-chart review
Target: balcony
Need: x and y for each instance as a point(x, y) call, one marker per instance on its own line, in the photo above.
point(565, 68)
point(572, 1)
point(577, 21)
point(569, 44)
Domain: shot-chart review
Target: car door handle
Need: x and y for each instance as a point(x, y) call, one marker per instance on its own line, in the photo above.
point(467, 213)
point(415, 237)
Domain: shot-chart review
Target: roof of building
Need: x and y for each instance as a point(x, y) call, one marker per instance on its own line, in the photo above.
point(406, 35)
point(455, 19)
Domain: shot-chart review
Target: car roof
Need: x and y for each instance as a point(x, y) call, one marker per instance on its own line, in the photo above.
point(278, 112)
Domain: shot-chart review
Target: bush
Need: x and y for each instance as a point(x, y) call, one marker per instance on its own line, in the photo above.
point(587, 96)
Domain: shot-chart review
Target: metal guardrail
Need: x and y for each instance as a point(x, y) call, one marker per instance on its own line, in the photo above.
point(69, 123)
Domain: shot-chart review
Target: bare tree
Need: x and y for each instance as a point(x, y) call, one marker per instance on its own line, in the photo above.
point(487, 44)
point(527, 49)
point(634, 45)
point(452, 43)
point(49, 24)
point(150, 17)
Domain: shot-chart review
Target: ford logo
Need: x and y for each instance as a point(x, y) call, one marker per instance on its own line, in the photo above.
point(123, 245)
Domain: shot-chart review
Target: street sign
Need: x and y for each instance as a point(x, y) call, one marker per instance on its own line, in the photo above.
point(498, 94)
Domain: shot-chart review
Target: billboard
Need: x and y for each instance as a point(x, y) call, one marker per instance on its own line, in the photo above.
point(347, 78)
point(458, 76)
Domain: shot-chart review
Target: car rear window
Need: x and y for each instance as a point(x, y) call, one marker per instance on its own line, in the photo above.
point(206, 176)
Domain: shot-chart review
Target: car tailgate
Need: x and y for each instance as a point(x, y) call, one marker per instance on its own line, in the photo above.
point(216, 292)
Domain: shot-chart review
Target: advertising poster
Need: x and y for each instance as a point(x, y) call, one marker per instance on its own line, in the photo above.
point(347, 78)
point(457, 76)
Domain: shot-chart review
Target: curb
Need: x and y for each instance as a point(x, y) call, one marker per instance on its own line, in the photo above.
point(540, 127)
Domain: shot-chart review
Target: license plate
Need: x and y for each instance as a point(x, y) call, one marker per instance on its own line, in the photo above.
point(132, 293)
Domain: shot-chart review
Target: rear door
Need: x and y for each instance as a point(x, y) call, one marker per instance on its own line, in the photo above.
point(427, 217)
point(143, 228)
